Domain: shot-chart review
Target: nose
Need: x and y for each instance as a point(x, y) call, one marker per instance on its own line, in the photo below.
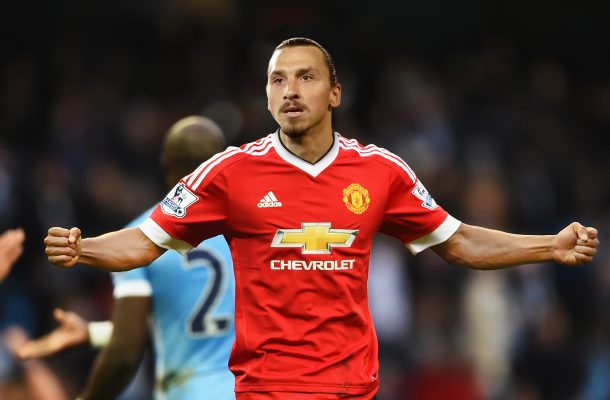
point(291, 91)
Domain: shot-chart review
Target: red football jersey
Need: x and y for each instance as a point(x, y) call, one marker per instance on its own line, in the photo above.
point(300, 235)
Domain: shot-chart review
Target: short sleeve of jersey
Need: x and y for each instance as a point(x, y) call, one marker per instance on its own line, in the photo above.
point(190, 213)
point(413, 216)
point(133, 283)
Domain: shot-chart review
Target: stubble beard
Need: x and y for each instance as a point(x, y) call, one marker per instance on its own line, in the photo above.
point(294, 129)
point(294, 132)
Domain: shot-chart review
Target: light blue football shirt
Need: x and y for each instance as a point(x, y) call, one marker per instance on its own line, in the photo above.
point(193, 303)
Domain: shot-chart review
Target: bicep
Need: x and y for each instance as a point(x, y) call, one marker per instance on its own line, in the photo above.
point(140, 248)
point(452, 250)
point(482, 248)
point(149, 249)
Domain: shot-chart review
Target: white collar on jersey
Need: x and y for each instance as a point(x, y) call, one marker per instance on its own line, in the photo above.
point(312, 169)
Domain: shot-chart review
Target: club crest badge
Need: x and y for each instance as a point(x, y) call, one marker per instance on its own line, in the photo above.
point(177, 201)
point(356, 198)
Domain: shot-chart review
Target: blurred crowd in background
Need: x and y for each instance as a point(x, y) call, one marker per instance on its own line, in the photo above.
point(503, 111)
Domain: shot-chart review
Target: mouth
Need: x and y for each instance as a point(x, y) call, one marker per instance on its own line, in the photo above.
point(293, 111)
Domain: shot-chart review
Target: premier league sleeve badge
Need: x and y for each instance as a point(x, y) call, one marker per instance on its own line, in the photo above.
point(177, 201)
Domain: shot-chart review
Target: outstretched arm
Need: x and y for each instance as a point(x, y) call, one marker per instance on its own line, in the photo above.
point(118, 362)
point(482, 248)
point(41, 382)
point(115, 251)
point(72, 332)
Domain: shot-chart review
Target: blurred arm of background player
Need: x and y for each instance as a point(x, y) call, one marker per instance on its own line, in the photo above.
point(11, 247)
point(72, 332)
point(39, 382)
point(121, 355)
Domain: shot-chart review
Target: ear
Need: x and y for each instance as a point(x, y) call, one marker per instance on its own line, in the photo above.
point(335, 96)
point(267, 92)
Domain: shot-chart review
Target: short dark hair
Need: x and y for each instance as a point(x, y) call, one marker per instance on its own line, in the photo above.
point(303, 41)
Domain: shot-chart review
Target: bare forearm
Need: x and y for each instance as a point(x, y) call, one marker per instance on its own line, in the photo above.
point(112, 372)
point(42, 383)
point(119, 251)
point(482, 248)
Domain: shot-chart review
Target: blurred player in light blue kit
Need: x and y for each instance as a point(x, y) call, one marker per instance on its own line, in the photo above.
point(189, 299)
point(192, 300)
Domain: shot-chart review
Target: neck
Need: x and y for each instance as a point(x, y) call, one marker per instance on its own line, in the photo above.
point(310, 146)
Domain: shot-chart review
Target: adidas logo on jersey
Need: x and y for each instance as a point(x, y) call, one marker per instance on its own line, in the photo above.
point(269, 201)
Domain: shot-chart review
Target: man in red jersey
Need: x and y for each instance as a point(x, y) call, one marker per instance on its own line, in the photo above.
point(299, 209)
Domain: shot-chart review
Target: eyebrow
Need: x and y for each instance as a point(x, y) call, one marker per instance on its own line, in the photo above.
point(299, 72)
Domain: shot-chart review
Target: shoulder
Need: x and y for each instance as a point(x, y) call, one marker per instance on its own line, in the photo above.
point(379, 155)
point(221, 161)
point(259, 147)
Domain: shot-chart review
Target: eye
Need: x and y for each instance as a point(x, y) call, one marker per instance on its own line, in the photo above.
point(277, 80)
point(307, 77)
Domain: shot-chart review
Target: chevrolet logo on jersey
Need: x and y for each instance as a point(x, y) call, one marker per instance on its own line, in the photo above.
point(314, 238)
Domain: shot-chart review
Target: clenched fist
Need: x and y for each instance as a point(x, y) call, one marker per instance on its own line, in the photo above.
point(575, 244)
point(63, 246)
